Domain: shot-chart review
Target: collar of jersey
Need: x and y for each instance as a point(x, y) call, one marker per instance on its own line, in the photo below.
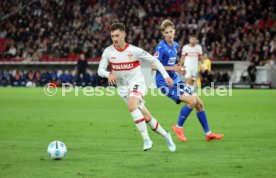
point(121, 50)
point(168, 44)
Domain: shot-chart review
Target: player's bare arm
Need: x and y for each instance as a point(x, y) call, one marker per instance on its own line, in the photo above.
point(200, 59)
point(181, 61)
point(169, 81)
point(112, 79)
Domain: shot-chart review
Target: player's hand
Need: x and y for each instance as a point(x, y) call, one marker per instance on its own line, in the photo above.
point(112, 79)
point(180, 69)
point(169, 81)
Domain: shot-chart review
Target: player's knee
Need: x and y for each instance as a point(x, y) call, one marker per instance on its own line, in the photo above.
point(147, 117)
point(199, 106)
point(132, 107)
point(191, 103)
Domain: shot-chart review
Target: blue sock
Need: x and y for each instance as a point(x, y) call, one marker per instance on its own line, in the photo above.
point(203, 121)
point(184, 113)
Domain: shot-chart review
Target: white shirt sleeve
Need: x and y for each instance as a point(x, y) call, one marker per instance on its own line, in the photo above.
point(103, 65)
point(143, 55)
point(184, 51)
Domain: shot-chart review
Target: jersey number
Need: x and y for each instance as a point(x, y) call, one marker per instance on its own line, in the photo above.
point(188, 90)
point(135, 87)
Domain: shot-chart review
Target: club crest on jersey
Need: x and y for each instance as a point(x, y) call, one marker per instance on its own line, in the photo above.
point(130, 57)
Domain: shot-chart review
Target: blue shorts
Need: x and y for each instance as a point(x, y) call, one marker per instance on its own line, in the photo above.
point(177, 90)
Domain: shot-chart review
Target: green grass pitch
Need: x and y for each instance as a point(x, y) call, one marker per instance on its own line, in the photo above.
point(102, 139)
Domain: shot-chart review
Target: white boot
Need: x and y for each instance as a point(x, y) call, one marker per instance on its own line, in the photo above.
point(147, 145)
point(170, 143)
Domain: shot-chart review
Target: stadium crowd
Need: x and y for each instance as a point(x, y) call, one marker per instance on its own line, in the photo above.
point(240, 30)
point(227, 29)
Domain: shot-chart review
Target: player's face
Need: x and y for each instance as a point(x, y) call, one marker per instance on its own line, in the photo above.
point(118, 37)
point(168, 34)
point(193, 41)
point(82, 57)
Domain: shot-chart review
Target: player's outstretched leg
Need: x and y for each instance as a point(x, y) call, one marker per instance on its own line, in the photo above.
point(140, 122)
point(201, 115)
point(141, 126)
point(153, 123)
point(156, 127)
point(184, 113)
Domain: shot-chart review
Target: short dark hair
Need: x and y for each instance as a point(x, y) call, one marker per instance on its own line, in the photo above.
point(117, 26)
point(192, 36)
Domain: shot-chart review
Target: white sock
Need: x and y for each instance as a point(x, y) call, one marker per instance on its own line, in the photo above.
point(153, 123)
point(140, 123)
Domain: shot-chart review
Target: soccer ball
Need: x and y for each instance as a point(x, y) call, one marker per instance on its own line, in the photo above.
point(57, 150)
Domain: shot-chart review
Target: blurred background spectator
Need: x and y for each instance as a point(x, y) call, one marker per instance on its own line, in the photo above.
point(82, 66)
point(61, 30)
point(205, 73)
point(227, 29)
point(252, 71)
point(41, 78)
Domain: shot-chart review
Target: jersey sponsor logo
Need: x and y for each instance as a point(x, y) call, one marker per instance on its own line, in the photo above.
point(192, 53)
point(112, 57)
point(124, 66)
point(172, 60)
point(156, 54)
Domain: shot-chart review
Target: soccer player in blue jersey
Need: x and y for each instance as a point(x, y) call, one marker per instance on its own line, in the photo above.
point(166, 52)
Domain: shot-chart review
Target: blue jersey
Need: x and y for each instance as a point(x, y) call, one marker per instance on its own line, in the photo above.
point(167, 55)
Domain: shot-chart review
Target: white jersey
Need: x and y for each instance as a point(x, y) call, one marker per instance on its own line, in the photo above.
point(125, 64)
point(191, 54)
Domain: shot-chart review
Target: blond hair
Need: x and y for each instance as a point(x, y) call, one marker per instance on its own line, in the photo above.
point(166, 23)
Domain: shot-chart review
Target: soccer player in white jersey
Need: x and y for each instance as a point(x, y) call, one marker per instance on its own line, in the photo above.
point(125, 72)
point(191, 56)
